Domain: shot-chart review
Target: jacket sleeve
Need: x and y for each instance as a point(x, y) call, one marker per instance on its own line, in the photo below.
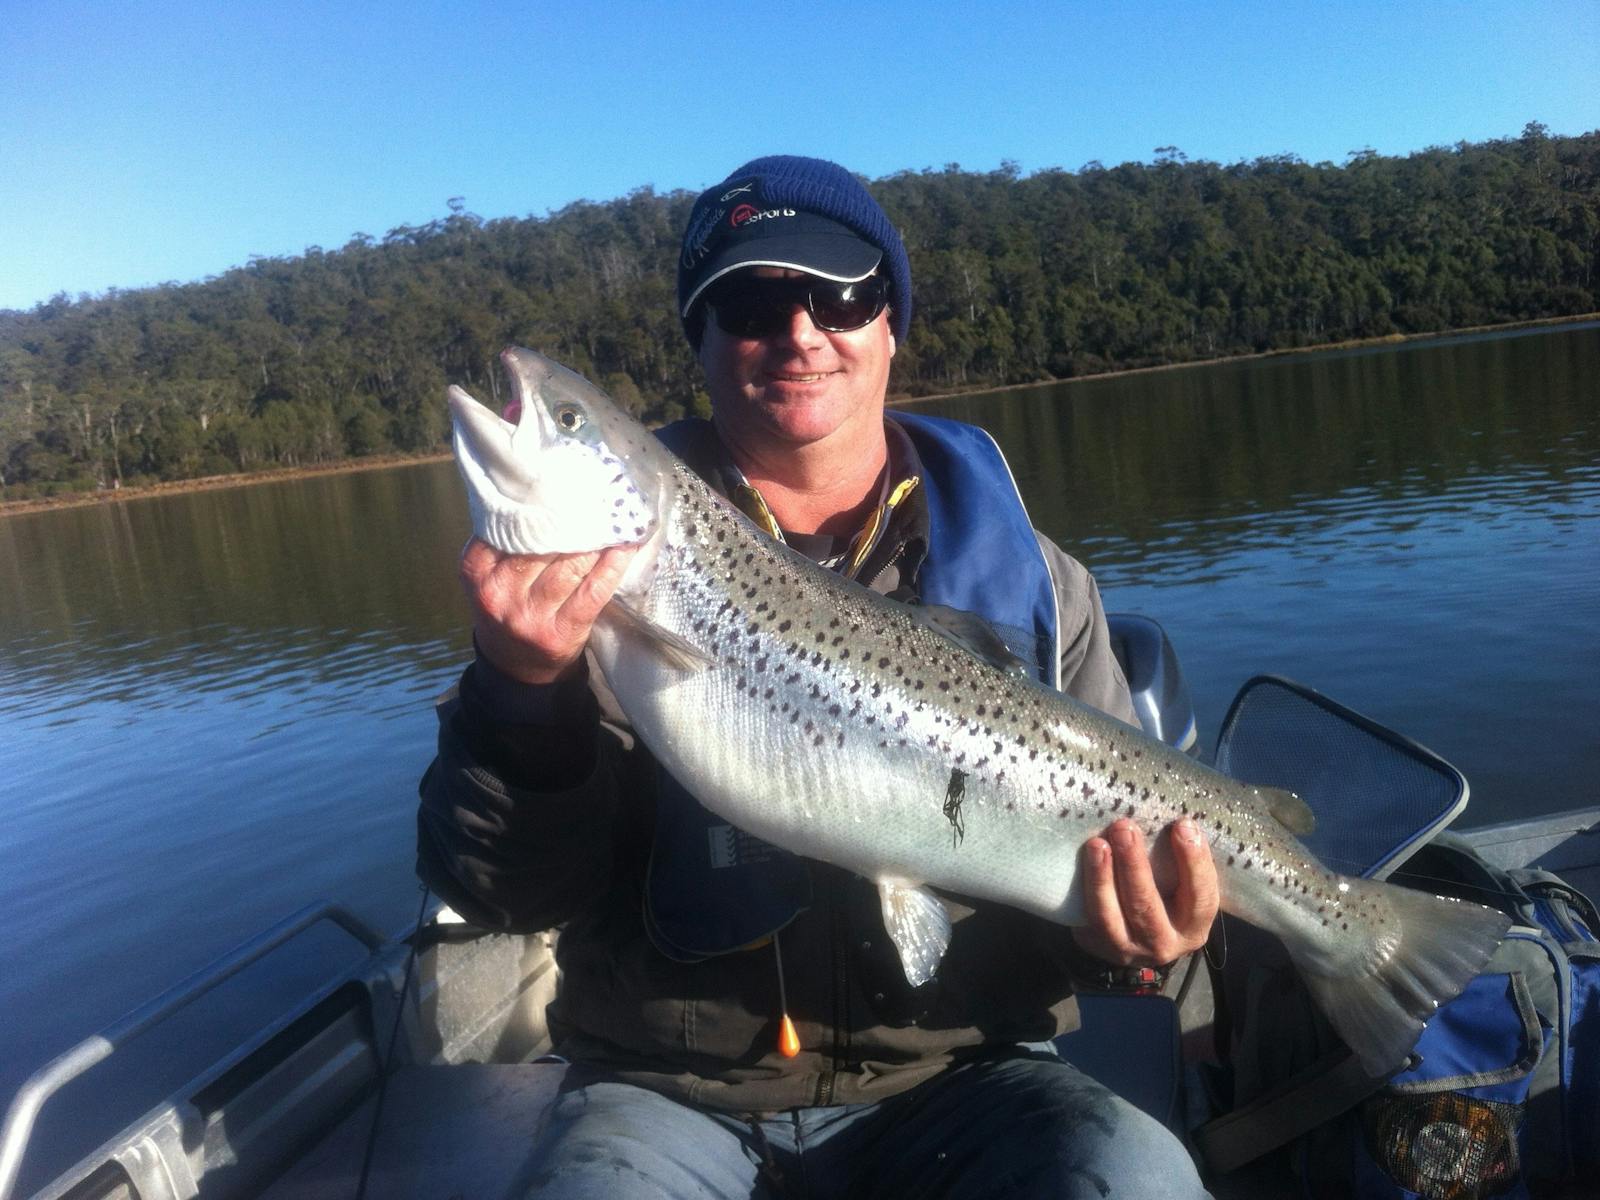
point(523, 807)
point(1089, 670)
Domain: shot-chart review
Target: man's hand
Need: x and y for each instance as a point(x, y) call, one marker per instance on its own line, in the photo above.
point(1130, 921)
point(531, 613)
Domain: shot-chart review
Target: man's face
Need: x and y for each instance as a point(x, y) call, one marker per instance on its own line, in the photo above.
point(799, 385)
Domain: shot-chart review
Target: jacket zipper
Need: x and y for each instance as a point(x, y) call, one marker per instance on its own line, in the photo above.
point(893, 558)
point(841, 1001)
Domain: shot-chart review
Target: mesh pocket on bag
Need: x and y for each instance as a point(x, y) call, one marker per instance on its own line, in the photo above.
point(1444, 1146)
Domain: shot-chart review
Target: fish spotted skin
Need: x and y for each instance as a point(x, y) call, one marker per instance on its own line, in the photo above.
point(842, 726)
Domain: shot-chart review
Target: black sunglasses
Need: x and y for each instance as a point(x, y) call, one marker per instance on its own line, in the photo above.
point(752, 306)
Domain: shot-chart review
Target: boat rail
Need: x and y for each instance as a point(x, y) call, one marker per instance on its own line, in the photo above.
point(62, 1070)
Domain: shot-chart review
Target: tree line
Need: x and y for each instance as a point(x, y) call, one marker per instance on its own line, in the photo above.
point(1017, 278)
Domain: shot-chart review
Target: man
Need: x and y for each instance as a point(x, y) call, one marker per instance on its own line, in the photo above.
point(687, 948)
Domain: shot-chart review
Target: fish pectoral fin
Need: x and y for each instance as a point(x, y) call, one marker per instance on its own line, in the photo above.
point(673, 650)
point(917, 924)
point(1289, 810)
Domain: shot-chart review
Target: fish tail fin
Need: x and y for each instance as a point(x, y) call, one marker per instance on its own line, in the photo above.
point(1424, 950)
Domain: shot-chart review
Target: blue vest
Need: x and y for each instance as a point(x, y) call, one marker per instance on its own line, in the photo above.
point(712, 888)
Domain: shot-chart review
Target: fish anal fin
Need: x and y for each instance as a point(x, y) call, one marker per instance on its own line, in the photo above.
point(917, 924)
point(673, 650)
point(1289, 810)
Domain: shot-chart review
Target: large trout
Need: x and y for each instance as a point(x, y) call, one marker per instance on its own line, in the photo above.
point(842, 726)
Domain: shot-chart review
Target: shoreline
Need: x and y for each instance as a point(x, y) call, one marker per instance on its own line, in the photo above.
point(381, 461)
point(1388, 340)
point(211, 483)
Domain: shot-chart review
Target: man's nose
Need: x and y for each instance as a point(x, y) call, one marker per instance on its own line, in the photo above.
point(801, 329)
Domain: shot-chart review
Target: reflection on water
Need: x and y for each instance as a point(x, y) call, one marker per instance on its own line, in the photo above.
point(216, 706)
point(215, 710)
point(1413, 531)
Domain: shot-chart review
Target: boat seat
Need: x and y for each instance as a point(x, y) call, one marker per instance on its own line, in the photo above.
point(448, 1130)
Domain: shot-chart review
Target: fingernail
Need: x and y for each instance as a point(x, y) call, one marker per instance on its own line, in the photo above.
point(1189, 832)
point(1123, 834)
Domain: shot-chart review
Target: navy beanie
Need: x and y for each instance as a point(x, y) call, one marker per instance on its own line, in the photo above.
point(794, 202)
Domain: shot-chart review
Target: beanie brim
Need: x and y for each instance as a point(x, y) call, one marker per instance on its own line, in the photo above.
point(840, 256)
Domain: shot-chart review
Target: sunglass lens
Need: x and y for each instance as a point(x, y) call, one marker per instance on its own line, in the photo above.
point(750, 310)
point(845, 306)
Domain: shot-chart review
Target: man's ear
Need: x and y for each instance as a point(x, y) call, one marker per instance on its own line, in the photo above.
point(891, 345)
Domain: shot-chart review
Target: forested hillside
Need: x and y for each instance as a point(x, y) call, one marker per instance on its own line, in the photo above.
point(335, 353)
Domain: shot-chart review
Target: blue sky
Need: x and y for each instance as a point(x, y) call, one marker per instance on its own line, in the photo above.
point(145, 141)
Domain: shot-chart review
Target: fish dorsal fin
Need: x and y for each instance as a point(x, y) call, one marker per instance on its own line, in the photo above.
point(1289, 810)
point(917, 924)
point(973, 634)
point(673, 650)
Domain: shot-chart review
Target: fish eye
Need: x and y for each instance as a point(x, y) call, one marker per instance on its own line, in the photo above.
point(569, 418)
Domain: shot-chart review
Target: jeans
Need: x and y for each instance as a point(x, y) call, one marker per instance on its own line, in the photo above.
point(1023, 1125)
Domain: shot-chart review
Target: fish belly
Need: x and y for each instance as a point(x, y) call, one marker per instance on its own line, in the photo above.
point(875, 798)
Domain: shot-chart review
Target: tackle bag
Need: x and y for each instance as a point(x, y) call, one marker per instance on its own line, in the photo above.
point(1501, 1096)
point(1502, 1093)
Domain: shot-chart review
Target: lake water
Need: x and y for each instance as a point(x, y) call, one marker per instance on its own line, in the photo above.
point(215, 707)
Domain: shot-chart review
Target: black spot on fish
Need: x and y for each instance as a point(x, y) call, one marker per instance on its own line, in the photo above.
point(784, 625)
